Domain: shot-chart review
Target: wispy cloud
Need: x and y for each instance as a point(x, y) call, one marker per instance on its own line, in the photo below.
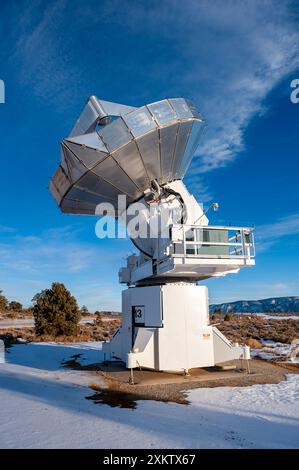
point(236, 52)
point(6, 229)
point(100, 295)
point(54, 251)
point(31, 263)
point(284, 226)
point(197, 186)
point(269, 234)
point(43, 52)
point(254, 290)
point(226, 56)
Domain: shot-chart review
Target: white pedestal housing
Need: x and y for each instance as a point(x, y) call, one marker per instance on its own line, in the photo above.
point(166, 327)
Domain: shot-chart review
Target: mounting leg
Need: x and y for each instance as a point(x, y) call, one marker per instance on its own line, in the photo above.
point(131, 379)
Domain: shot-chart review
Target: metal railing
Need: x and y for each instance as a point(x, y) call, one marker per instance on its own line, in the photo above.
point(213, 241)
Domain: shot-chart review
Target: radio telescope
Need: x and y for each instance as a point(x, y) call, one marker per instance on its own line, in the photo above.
point(144, 154)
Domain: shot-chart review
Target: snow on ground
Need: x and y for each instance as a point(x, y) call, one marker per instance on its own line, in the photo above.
point(268, 316)
point(272, 350)
point(18, 323)
point(29, 322)
point(43, 406)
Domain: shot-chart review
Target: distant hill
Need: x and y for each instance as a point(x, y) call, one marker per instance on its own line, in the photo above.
point(272, 305)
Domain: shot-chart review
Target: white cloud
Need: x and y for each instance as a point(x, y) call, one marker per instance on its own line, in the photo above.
point(197, 186)
point(281, 287)
point(53, 251)
point(284, 226)
point(43, 52)
point(269, 234)
point(31, 263)
point(101, 295)
point(227, 56)
point(252, 287)
point(5, 229)
point(240, 52)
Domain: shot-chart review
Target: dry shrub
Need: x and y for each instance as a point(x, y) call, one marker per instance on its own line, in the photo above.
point(243, 327)
point(253, 343)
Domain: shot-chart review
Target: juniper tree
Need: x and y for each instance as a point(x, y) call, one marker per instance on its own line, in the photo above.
point(56, 311)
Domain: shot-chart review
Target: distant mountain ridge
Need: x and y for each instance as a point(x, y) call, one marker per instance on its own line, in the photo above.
point(271, 305)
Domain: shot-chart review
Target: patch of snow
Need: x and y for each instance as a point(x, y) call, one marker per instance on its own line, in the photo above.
point(25, 323)
point(49, 356)
point(258, 415)
point(29, 322)
point(271, 351)
point(268, 316)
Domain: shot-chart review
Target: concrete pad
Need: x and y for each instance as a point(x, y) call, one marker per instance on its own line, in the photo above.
point(118, 372)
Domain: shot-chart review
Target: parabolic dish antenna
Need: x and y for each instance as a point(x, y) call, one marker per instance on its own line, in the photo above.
point(104, 157)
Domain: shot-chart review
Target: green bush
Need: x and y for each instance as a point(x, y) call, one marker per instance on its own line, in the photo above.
point(227, 317)
point(56, 312)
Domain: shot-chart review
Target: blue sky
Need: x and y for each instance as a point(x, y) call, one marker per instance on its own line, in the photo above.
point(234, 59)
